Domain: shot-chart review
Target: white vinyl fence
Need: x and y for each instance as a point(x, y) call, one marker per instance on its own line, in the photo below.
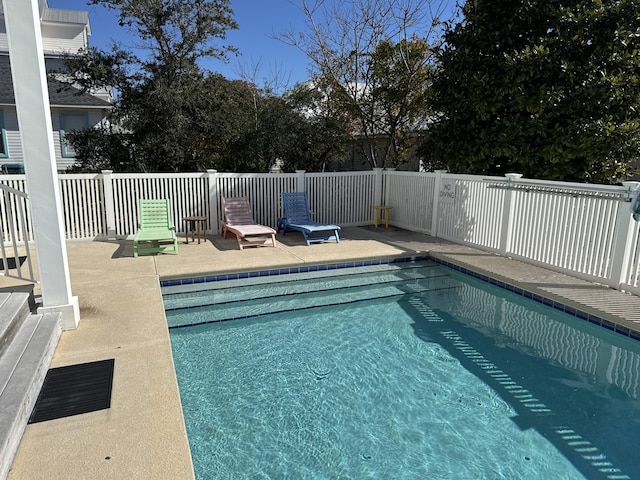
point(584, 230)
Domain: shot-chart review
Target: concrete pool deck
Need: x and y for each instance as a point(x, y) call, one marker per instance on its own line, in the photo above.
point(142, 435)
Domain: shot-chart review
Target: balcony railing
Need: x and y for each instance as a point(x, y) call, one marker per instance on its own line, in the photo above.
point(583, 230)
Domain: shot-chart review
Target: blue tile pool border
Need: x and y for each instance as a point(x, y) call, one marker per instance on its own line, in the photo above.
point(288, 270)
point(589, 317)
point(582, 315)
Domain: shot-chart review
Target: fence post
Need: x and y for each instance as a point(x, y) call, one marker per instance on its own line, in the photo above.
point(436, 202)
point(623, 235)
point(212, 180)
point(506, 229)
point(109, 203)
point(301, 185)
point(386, 192)
point(377, 186)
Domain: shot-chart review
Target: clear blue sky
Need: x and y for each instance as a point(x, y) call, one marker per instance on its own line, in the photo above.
point(257, 20)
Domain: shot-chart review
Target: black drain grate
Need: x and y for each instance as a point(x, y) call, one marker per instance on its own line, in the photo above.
point(73, 390)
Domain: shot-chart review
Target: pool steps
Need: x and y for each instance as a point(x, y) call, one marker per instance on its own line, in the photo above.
point(285, 293)
point(27, 343)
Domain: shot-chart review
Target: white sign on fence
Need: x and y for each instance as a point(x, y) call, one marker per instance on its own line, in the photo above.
point(447, 191)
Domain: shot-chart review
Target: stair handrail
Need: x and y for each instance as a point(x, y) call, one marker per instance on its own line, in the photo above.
point(13, 198)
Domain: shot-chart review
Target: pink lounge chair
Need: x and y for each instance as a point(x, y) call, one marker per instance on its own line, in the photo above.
point(238, 220)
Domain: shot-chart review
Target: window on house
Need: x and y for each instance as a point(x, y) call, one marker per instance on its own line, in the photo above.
point(71, 122)
point(4, 150)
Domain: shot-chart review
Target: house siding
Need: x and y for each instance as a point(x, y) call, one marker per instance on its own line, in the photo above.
point(14, 147)
point(4, 40)
point(56, 38)
point(63, 31)
point(14, 143)
point(60, 39)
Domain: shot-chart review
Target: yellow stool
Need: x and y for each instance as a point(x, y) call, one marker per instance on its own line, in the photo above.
point(382, 215)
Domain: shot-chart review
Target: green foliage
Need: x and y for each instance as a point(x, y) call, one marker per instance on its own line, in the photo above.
point(318, 133)
point(214, 123)
point(159, 85)
point(547, 89)
point(387, 107)
point(103, 148)
point(171, 116)
point(290, 132)
point(175, 33)
point(401, 76)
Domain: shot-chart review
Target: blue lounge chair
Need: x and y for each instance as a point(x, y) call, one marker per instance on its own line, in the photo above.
point(298, 218)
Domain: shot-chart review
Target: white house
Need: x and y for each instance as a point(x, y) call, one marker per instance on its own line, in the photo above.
point(63, 31)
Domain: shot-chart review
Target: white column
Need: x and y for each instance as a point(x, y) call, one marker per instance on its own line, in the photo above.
point(34, 119)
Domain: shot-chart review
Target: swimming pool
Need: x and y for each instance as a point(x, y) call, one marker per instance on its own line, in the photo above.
point(399, 370)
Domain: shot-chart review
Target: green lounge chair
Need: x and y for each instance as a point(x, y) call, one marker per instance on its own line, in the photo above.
point(156, 232)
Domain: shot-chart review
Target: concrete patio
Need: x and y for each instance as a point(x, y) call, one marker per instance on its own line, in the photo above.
point(142, 435)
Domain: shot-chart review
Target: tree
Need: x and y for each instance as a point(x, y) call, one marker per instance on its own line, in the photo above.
point(175, 34)
point(320, 133)
point(160, 85)
point(290, 132)
point(172, 116)
point(397, 102)
point(103, 148)
point(547, 89)
point(368, 59)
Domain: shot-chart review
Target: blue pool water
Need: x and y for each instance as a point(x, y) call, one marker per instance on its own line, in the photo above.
point(399, 371)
